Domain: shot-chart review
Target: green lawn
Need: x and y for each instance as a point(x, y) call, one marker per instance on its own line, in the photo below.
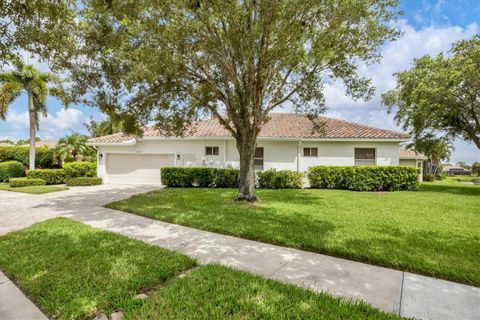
point(72, 271)
point(434, 231)
point(32, 189)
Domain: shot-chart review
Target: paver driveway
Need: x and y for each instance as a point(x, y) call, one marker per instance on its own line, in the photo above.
point(19, 210)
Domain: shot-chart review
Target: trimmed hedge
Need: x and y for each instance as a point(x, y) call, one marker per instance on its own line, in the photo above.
point(25, 182)
point(51, 176)
point(180, 177)
point(11, 169)
point(80, 169)
point(83, 181)
point(358, 178)
point(283, 179)
point(44, 157)
point(227, 178)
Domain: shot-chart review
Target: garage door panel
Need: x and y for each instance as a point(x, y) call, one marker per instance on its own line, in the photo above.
point(136, 168)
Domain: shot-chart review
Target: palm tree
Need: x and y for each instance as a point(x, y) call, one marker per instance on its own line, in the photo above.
point(435, 148)
point(38, 86)
point(74, 146)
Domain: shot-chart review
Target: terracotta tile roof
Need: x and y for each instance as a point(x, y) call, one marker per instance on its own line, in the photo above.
point(411, 154)
point(281, 125)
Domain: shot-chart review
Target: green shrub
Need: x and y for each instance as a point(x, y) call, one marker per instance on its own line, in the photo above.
point(226, 178)
point(44, 157)
point(282, 179)
point(429, 177)
point(83, 181)
point(440, 176)
point(51, 176)
point(358, 178)
point(180, 177)
point(80, 169)
point(25, 182)
point(187, 177)
point(11, 169)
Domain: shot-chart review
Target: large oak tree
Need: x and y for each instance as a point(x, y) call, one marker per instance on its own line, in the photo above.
point(34, 27)
point(441, 95)
point(172, 62)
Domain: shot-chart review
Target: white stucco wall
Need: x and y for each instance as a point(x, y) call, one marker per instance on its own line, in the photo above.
point(343, 153)
point(280, 155)
point(413, 163)
point(277, 154)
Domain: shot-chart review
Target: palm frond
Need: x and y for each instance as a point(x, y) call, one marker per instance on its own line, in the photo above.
point(60, 93)
point(11, 76)
point(9, 91)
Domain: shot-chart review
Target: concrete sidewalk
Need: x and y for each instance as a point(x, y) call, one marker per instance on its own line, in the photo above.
point(14, 305)
point(403, 293)
point(391, 290)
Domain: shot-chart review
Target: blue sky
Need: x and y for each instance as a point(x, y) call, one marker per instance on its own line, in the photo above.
point(428, 27)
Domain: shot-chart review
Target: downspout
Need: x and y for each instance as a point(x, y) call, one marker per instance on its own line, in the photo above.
point(224, 153)
point(299, 148)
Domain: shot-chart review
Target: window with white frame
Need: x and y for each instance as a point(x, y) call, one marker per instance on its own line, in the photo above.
point(211, 151)
point(365, 157)
point(258, 158)
point(310, 152)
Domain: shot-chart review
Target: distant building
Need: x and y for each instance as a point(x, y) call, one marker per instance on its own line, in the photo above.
point(43, 143)
point(3, 144)
point(456, 171)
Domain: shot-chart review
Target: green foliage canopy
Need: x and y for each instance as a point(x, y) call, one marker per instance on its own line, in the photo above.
point(441, 95)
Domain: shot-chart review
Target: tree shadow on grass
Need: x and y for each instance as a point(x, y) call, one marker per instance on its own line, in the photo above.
point(74, 271)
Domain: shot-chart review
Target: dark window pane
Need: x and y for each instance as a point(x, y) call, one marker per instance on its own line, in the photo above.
point(313, 152)
point(364, 153)
point(208, 151)
point(259, 153)
point(306, 152)
point(215, 151)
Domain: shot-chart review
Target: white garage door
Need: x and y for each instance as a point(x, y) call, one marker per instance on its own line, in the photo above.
point(136, 168)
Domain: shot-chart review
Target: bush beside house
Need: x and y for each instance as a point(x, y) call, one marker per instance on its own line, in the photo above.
point(179, 177)
point(359, 178)
point(282, 179)
point(11, 169)
point(80, 169)
point(51, 176)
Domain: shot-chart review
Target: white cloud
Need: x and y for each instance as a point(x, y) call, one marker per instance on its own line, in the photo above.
point(398, 56)
point(53, 126)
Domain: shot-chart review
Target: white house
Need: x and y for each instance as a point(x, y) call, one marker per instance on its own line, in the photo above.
point(287, 141)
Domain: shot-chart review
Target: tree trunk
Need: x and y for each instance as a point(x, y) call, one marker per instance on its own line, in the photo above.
point(33, 127)
point(246, 149)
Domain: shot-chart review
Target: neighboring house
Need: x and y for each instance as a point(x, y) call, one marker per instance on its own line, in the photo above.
point(412, 158)
point(287, 141)
point(456, 171)
point(43, 144)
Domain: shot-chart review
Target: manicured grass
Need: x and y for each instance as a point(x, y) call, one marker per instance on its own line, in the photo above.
point(73, 271)
point(434, 231)
point(32, 189)
point(215, 292)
